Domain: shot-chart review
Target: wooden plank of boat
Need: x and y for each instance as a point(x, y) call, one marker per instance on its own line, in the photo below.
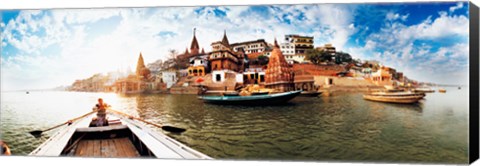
point(276, 98)
point(115, 140)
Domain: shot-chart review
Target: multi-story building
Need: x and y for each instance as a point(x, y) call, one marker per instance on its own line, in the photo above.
point(302, 43)
point(223, 57)
point(295, 48)
point(250, 46)
point(287, 48)
point(329, 48)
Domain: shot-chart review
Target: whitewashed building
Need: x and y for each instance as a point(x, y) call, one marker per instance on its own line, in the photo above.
point(169, 78)
point(250, 46)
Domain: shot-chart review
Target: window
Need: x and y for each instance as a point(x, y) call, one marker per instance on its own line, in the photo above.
point(218, 77)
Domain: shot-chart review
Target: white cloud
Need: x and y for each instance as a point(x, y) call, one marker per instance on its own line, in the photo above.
point(391, 16)
point(458, 6)
point(421, 61)
point(338, 21)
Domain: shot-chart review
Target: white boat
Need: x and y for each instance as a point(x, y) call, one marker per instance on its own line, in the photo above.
point(123, 137)
point(395, 97)
point(424, 90)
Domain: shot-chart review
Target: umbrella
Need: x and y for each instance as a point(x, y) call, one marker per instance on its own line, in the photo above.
point(199, 80)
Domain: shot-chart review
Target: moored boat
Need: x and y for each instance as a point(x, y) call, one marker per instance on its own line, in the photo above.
point(122, 137)
point(442, 90)
point(395, 97)
point(266, 99)
point(423, 90)
point(310, 93)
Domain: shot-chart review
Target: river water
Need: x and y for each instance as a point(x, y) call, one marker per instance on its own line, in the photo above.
point(342, 127)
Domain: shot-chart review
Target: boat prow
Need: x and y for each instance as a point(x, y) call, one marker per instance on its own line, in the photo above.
point(123, 137)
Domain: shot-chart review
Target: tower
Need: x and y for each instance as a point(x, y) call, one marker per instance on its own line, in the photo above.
point(279, 75)
point(142, 71)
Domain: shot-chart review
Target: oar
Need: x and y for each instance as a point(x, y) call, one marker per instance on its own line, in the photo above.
point(166, 128)
point(37, 133)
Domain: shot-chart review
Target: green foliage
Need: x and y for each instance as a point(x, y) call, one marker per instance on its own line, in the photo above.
point(316, 56)
point(343, 57)
point(262, 60)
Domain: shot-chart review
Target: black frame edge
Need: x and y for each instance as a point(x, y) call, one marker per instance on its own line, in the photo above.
point(474, 83)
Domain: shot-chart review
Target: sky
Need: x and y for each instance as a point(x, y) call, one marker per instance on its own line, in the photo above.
point(428, 41)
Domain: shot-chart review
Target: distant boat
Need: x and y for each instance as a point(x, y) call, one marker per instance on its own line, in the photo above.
point(265, 99)
point(442, 90)
point(27, 92)
point(459, 87)
point(395, 97)
point(423, 90)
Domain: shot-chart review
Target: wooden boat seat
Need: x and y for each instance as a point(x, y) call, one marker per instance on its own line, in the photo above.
point(101, 129)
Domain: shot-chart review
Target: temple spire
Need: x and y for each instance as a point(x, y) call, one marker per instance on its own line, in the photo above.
point(225, 39)
point(275, 43)
point(203, 51)
point(194, 46)
point(140, 65)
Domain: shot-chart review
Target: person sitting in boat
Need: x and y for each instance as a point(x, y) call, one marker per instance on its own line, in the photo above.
point(4, 150)
point(101, 108)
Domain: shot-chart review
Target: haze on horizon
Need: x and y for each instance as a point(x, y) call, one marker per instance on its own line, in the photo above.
point(48, 48)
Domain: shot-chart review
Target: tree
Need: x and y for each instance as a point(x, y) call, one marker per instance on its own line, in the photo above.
point(179, 62)
point(343, 57)
point(317, 56)
point(173, 53)
point(262, 60)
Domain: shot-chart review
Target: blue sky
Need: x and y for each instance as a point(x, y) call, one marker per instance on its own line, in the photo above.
point(48, 48)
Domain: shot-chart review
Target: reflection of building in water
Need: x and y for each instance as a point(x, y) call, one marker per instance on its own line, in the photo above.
point(279, 75)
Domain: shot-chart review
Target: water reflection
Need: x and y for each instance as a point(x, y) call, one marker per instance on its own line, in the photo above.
point(337, 127)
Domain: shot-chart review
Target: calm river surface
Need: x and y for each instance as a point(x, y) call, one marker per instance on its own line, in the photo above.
point(336, 128)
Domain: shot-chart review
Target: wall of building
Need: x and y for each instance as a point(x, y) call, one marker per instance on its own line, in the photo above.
point(169, 78)
point(342, 81)
point(218, 73)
